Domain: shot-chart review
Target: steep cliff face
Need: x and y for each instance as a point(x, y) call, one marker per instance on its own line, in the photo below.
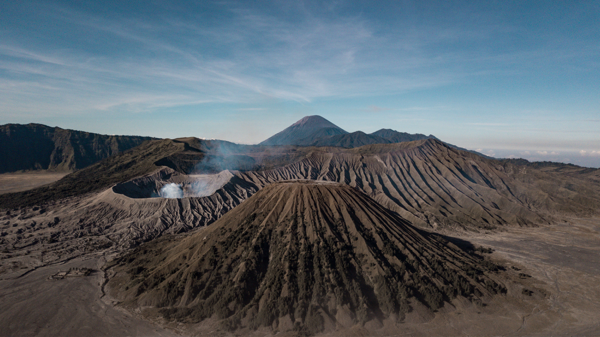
point(40, 147)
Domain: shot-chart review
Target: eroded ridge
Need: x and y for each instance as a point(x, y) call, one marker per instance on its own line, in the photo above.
point(302, 256)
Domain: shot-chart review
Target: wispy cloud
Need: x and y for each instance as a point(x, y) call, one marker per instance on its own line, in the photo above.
point(416, 71)
point(181, 62)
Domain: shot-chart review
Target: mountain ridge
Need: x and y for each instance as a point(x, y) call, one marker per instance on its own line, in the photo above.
point(34, 146)
point(350, 140)
point(427, 182)
point(317, 131)
point(397, 137)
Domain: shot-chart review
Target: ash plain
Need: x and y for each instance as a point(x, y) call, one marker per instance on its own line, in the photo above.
point(561, 259)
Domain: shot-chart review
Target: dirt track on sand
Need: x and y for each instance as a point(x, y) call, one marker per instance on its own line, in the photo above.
point(566, 257)
point(32, 305)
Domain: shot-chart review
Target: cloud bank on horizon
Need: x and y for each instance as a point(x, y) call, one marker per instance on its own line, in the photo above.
point(509, 77)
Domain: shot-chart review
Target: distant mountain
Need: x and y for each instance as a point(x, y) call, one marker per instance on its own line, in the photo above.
point(350, 140)
point(40, 147)
point(398, 137)
point(564, 169)
point(304, 131)
point(318, 131)
point(320, 134)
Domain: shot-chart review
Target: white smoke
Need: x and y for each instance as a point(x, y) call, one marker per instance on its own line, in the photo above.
point(194, 185)
point(205, 185)
point(171, 191)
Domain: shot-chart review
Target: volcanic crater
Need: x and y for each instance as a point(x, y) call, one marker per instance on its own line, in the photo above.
point(167, 183)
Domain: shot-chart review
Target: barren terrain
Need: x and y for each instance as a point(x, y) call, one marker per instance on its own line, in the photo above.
point(33, 305)
point(564, 256)
point(562, 259)
point(542, 222)
point(303, 256)
point(17, 182)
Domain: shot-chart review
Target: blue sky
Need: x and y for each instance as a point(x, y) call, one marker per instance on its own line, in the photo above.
point(507, 78)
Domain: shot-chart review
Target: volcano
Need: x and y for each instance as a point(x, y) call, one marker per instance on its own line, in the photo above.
point(304, 132)
point(305, 256)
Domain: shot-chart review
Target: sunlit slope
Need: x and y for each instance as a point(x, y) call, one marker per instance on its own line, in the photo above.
point(304, 132)
point(426, 181)
point(434, 185)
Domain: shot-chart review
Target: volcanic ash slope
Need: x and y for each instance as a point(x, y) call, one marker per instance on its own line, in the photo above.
point(303, 256)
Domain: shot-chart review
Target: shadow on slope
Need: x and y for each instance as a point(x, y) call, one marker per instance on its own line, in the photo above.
point(40, 147)
point(303, 256)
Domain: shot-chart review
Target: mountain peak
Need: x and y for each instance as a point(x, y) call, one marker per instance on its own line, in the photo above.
point(305, 129)
point(314, 121)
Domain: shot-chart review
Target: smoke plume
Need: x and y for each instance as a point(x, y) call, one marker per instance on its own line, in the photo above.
point(207, 184)
point(171, 191)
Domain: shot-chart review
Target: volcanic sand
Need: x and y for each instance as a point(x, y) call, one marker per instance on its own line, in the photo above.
point(302, 255)
point(563, 259)
point(555, 293)
point(17, 182)
point(32, 305)
point(565, 256)
point(570, 306)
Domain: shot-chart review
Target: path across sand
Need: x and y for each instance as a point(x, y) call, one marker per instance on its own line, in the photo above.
point(32, 305)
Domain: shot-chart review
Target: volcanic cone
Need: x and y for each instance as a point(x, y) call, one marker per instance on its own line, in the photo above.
point(305, 256)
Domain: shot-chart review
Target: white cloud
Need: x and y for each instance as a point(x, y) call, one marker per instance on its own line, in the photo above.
point(251, 54)
point(590, 153)
point(547, 153)
point(490, 153)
